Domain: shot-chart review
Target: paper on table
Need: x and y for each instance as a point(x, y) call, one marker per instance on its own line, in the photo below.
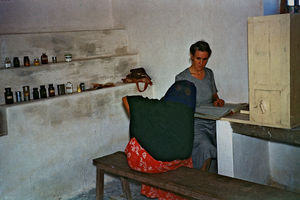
point(211, 112)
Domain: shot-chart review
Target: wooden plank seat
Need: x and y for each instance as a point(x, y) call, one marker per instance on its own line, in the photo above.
point(186, 182)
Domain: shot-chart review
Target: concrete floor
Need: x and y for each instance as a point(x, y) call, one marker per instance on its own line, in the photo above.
point(113, 191)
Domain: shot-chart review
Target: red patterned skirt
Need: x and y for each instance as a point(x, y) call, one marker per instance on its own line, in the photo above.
point(140, 160)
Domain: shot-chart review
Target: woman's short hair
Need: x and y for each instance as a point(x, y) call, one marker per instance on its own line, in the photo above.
point(200, 46)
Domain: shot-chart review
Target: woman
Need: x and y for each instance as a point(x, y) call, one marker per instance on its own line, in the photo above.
point(203, 78)
point(162, 133)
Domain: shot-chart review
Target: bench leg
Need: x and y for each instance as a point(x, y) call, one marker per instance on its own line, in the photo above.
point(126, 188)
point(100, 184)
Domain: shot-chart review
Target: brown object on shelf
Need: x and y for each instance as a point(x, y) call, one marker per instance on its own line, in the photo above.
point(44, 59)
point(51, 90)
point(99, 85)
point(108, 85)
point(138, 75)
point(26, 61)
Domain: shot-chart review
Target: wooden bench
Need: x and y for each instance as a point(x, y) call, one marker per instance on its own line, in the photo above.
point(186, 182)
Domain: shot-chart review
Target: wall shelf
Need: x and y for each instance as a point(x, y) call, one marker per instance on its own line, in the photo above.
point(52, 106)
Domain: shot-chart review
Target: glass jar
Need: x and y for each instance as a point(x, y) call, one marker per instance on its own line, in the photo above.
point(69, 88)
point(9, 98)
point(68, 57)
point(16, 62)
point(35, 93)
point(26, 61)
point(43, 92)
point(7, 63)
point(78, 89)
point(54, 59)
point(44, 58)
point(36, 62)
point(82, 86)
point(61, 89)
point(51, 90)
point(26, 93)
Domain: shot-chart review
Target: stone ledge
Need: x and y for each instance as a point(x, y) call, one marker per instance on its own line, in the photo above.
point(63, 108)
point(288, 136)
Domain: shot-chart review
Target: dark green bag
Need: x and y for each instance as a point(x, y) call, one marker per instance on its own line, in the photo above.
point(164, 129)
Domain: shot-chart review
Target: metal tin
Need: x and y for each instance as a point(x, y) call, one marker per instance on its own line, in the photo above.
point(68, 57)
point(18, 96)
point(69, 88)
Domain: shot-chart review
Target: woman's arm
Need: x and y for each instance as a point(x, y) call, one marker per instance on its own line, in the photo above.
point(217, 101)
point(126, 105)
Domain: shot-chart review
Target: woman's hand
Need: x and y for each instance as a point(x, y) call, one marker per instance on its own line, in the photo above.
point(219, 103)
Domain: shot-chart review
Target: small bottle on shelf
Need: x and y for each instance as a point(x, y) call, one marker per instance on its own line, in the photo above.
point(26, 93)
point(61, 89)
point(43, 92)
point(7, 63)
point(35, 93)
point(16, 62)
point(78, 89)
point(51, 90)
point(18, 96)
point(44, 58)
point(26, 61)
point(9, 98)
point(36, 62)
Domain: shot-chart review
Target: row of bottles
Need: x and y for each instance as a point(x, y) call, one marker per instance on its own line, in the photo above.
point(41, 93)
point(26, 61)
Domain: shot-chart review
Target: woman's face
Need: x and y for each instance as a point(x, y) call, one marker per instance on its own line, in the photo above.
point(199, 60)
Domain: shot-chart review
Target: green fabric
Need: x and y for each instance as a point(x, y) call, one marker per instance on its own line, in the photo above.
point(164, 129)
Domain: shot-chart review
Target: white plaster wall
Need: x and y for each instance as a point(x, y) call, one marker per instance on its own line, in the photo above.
point(257, 160)
point(241, 156)
point(162, 32)
point(225, 149)
point(285, 166)
point(251, 158)
point(48, 151)
point(55, 15)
